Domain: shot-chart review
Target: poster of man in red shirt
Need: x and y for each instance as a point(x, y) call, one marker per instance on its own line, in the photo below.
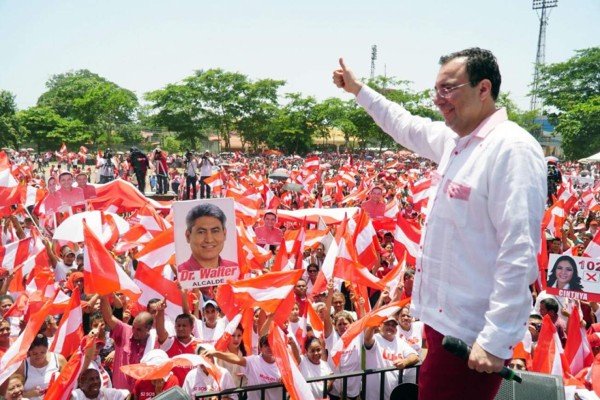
point(205, 242)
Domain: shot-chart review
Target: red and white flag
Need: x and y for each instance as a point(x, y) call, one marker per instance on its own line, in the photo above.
point(17, 352)
point(365, 239)
point(159, 251)
point(293, 380)
point(66, 382)
point(554, 218)
point(265, 291)
point(63, 148)
point(593, 247)
point(14, 254)
point(419, 193)
point(11, 191)
point(250, 255)
point(102, 274)
point(372, 319)
point(154, 285)
point(549, 357)
point(578, 351)
point(311, 163)
point(407, 237)
point(70, 331)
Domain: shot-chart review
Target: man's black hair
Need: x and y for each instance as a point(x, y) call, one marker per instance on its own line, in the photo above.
point(204, 210)
point(481, 64)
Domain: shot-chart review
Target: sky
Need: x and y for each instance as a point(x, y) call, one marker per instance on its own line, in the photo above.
point(144, 45)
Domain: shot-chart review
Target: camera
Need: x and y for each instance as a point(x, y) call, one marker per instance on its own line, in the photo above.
point(108, 154)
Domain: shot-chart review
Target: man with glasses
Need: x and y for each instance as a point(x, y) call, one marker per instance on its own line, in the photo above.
point(478, 249)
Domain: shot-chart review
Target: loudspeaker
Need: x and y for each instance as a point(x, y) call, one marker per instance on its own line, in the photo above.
point(535, 386)
point(175, 393)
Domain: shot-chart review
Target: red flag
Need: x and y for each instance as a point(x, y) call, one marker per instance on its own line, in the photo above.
point(365, 240)
point(294, 382)
point(549, 357)
point(372, 319)
point(102, 274)
point(17, 352)
point(70, 331)
point(578, 351)
point(154, 285)
point(265, 291)
point(407, 237)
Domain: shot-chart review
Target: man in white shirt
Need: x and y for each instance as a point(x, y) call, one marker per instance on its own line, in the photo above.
point(478, 249)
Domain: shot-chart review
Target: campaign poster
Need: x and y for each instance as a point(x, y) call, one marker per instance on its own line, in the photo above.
point(574, 277)
point(205, 242)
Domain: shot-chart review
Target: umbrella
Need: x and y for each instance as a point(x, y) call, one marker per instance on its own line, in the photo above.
point(293, 187)
point(279, 176)
point(71, 229)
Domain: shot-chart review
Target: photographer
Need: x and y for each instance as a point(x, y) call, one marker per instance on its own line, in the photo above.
point(105, 164)
point(160, 166)
point(554, 180)
point(191, 166)
point(205, 172)
point(138, 161)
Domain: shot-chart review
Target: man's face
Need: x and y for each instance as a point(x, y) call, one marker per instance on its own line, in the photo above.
point(140, 330)
point(555, 247)
point(90, 383)
point(206, 239)
point(66, 182)
point(462, 107)
point(183, 328)
point(300, 289)
point(270, 221)
point(389, 330)
point(81, 180)
point(535, 325)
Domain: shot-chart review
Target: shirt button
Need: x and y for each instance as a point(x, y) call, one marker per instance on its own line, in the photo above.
point(456, 153)
point(418, 269)
point(440, 310)
point(510, 347)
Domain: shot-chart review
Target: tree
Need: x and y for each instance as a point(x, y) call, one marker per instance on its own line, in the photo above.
point(523, 118)
point(294, 125)
point(45, 128)
point(9, 124)
point(571, 90)
point(88, 100)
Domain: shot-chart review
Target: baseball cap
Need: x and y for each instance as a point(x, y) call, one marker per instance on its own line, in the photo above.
point(391, 319)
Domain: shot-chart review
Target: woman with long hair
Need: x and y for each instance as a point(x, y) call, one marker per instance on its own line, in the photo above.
point(564, 274)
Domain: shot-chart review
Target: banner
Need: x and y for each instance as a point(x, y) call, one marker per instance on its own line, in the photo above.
point(574, 277)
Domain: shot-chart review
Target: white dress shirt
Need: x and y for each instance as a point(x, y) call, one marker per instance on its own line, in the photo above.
point(479, 245)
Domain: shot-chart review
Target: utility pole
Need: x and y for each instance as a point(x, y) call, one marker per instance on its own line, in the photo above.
point(544, 6)
point(373, 58)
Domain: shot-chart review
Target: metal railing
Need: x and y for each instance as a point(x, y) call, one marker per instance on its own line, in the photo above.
point(241, 392)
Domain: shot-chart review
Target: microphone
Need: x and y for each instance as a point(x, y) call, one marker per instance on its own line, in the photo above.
point(462, 350)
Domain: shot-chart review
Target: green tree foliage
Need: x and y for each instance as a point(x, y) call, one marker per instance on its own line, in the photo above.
point(523, 118)
point(219, 101)
point(88, 100)
point(294, 125)
point(46, 129)
point(10, 128)
point(571, 90)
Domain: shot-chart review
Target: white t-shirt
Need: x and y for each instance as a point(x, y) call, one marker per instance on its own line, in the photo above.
point(414, 338)
point(311, 370)
point(209, 335)
point(61, 270)
point(382, 355)
point(349, 362)
point(260, 372)
point(197, 382)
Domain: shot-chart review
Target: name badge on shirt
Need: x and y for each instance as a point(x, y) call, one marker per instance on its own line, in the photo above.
point(458, 191)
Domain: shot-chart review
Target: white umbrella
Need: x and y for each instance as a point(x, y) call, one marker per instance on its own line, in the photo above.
point(71, 229)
